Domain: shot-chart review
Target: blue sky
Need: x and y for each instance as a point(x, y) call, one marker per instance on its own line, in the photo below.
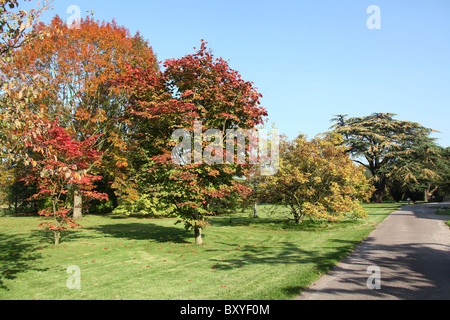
point(309, 59)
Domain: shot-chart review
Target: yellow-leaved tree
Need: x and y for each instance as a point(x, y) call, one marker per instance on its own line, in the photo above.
point(317, 179)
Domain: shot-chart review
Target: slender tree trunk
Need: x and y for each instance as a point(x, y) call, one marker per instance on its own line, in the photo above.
point(16, 204)
point(198, 235)
point(255, 210)
point(56, 233)
point(77, 205)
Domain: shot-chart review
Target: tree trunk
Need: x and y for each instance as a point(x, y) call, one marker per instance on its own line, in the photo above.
point(298, 218)
point(77, 205)
point(255, 210)
point(429, 194)
point(377, 197)
point(426, 194)
point(198, 235)
point(16, 204)
point(57, 235)
point(378, 194)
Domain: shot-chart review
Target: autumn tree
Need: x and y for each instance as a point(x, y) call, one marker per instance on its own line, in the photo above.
point(76, 68)
point(6, 181)
point(59, 165)
point(15, 31)
point(377, 141)
point(15, 24)
point(317, 179)
point(197, 91)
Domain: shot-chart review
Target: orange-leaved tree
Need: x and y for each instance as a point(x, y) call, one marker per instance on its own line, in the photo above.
point(75, 68)
point(15, 24)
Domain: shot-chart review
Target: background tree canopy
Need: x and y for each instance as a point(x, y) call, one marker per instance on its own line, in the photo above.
point(391, 150)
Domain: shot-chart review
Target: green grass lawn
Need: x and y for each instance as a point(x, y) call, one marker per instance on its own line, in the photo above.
point(139, 258)
point(444, 213)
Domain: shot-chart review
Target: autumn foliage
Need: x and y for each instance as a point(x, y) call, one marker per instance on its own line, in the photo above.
point(317, 180)
point(15, 25)
point(75, 69)
point(90, 106)
point(196, 87)
point(66, 74)
point(59, 166)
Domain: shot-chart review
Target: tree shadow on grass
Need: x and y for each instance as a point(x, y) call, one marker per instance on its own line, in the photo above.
point(321, 260)
point(288, 253)
point(145, 231)
point(47, 237)
point(285, 224)
point(17, 255)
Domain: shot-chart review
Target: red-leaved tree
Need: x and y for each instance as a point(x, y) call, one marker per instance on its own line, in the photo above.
point(58, 166)
point(197, 88)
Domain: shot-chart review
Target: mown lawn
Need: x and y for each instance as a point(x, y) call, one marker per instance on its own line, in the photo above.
point(137, 258)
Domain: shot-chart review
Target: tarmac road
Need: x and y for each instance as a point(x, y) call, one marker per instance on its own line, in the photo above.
point(406, 258)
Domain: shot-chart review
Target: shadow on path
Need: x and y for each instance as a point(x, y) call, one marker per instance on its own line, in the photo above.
point(412, 251)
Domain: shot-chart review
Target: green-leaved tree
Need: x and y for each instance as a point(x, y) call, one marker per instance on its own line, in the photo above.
point(379, 142)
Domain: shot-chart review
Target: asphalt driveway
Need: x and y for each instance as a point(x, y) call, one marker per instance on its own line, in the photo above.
point(407, 257)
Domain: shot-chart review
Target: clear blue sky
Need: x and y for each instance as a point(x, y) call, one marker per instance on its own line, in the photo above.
point(309, 59)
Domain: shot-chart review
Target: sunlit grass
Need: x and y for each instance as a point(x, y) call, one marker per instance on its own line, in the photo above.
point(139, 258)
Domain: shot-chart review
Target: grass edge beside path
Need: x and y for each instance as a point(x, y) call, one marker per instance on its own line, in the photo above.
point(446, 212)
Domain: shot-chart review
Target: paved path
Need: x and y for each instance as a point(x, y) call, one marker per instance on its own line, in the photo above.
point(411, 248)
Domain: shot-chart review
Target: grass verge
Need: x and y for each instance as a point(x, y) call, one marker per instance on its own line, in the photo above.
point(446, 212)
